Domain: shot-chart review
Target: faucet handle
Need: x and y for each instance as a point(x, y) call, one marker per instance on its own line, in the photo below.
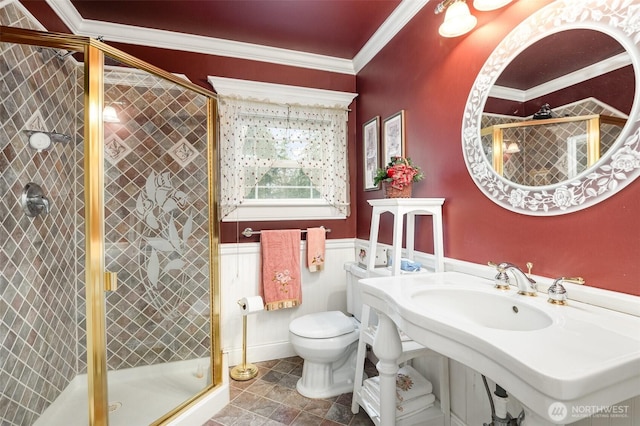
point(573, 280)
point(557, 293)
point(496, 265)
point(501, 280)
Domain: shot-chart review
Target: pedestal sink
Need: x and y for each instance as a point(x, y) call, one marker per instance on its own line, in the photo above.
point(493, 310)
point(544, 355)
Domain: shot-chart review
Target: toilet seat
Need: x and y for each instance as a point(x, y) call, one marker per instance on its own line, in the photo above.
point(322, 325)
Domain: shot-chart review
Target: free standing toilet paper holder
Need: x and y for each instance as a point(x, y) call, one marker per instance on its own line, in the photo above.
point(244, 371)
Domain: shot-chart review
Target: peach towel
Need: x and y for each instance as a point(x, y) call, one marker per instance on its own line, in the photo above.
point(315, 248)
point(281, 287)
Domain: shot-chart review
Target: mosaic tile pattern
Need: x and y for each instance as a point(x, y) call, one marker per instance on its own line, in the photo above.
point(115, 149)
point(542, 160)
point(271, 399)
point(42, 297)
point(183, 153)
point(37, 255)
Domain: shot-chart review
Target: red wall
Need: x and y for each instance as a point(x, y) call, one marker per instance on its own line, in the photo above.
point(198, 66)
point(430, 77)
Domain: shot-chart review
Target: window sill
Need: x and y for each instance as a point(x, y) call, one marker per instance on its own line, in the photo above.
point(255, 211)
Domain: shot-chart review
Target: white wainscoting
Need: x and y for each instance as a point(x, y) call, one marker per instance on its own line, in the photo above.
point(268, 332)
point(267, 336)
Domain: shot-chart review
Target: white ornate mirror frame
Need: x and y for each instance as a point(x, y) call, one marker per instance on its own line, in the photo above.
point(616, 169)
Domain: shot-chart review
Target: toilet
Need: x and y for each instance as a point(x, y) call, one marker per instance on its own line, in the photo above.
point(328, 343)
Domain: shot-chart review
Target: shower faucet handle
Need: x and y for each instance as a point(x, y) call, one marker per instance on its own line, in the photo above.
point(33, 201)
point(40, 202)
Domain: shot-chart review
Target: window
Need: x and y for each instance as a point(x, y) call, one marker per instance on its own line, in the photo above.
point(282, 161)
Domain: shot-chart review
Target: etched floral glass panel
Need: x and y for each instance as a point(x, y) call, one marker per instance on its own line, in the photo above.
point(156, 232)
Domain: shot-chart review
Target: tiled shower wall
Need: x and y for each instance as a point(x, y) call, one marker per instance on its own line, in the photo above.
point(37, 255)
point(156, 166)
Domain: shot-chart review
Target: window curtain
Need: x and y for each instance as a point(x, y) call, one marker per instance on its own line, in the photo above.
point(324, 159)
point(243, 163)
point(242, 167)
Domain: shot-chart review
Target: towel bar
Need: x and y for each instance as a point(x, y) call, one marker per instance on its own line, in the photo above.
point(249, 232)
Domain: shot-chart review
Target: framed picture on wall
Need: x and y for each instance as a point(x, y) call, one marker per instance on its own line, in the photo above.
point(371, 152)
point(393, 136)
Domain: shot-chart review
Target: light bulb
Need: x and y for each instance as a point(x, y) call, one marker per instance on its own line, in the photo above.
point(109, 115)
point(457, 20)
point(512, 148)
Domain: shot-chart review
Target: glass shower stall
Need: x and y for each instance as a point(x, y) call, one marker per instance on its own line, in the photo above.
point(109, 293)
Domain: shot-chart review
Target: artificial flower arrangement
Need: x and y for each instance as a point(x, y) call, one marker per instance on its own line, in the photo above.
point(399, 173)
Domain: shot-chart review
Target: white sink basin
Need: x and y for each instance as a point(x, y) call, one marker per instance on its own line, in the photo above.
point(484, 309)
point(578, 355)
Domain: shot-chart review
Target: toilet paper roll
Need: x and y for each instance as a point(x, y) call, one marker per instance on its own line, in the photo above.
point(251, 304)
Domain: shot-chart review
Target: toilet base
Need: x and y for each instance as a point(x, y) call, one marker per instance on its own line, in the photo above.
point(329, 385)
point(320, 380)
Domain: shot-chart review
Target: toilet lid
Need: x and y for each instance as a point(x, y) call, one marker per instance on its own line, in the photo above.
point(322, 325)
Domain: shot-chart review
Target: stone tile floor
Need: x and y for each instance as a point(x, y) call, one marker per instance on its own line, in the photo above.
point(271, 399)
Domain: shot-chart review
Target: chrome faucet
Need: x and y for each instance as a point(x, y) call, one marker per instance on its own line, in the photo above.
point(526, 285)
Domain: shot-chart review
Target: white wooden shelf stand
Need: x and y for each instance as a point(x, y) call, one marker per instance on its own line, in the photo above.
point(439, 414)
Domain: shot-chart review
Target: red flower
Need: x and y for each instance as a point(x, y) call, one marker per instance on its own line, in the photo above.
point(398, 173)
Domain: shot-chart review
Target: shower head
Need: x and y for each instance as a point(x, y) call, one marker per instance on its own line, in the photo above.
point(40, 140)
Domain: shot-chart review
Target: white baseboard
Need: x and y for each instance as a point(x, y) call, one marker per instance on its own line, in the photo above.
point(260, 353)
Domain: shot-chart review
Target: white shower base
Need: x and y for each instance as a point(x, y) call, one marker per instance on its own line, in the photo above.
point(137, 396)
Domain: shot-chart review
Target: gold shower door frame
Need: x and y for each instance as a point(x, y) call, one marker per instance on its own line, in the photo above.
point(94, 52)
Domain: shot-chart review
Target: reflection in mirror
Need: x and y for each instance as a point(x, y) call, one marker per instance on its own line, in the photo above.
point(558, 107)
point(549, 151)
point(552, 127)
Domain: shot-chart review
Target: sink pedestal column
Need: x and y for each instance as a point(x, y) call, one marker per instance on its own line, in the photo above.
point(388, 348)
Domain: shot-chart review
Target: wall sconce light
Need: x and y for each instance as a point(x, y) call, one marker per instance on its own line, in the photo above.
point(512, 148)
point(109, 113)
point(458, 20)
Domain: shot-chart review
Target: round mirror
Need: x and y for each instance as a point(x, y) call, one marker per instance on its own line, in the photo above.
point(551, 125)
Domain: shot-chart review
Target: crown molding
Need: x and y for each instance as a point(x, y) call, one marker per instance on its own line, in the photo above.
point(405, 11)
point(592, 71)
point(219, 47)
point(280, 93)
point(193, 43)
point(507, 93)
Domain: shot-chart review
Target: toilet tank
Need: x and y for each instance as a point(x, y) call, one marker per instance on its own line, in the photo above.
point(356, 272)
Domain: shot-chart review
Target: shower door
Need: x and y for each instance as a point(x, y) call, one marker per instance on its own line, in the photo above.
point(141, 188)
point(158, 249)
